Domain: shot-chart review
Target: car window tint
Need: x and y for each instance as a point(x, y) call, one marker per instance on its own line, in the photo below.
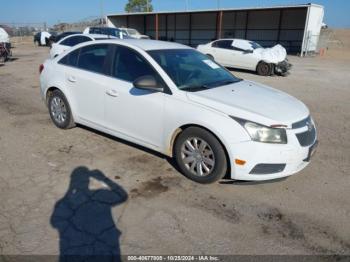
point(70, 59)
point(67, 42)
point(93, 57)
point(130, 65)
point(79, 39)
point(225, 44)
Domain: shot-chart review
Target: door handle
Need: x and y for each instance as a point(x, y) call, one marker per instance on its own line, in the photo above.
point(72, 79)
point(112, 93)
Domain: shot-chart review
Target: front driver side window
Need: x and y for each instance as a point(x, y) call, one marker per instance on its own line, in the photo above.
point(130, 65)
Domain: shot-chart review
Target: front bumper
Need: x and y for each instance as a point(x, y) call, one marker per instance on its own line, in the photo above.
point(282, 68)
point(270, 161)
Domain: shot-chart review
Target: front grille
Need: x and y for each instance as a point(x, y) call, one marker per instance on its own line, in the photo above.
point(307, 138)
point(302, 123)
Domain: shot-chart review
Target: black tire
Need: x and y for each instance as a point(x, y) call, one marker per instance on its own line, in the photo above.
point(68, 121)
point(264, 69)
point(220, 167)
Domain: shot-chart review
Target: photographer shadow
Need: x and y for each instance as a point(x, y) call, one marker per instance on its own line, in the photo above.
point(84, 221)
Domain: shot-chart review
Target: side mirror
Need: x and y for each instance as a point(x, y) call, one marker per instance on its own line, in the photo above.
point(148, 83)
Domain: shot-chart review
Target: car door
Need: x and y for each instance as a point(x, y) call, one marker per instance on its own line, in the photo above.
point(136, 114)
point(86, 82)
point(221, 51)
point(243, 55)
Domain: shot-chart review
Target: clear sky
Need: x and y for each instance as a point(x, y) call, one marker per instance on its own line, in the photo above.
point(337, 12)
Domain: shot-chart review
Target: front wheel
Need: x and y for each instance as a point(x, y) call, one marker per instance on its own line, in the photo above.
point(60, 111)
point(264, 69)
point(200, 156)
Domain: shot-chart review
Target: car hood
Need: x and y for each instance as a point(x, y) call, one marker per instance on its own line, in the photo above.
point(274, 54)
point(252, 101)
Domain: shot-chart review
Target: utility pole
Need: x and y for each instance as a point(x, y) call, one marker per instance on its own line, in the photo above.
point(148, 6)
point(186, 5)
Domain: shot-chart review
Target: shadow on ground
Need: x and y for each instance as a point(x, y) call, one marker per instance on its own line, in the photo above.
point(84, 221)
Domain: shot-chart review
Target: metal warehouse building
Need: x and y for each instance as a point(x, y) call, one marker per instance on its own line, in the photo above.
point(297, 27)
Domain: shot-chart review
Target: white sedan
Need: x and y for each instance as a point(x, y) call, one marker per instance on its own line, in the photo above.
point(249, 55)
point(133, 33)
point(175, 100)
point(73, 40)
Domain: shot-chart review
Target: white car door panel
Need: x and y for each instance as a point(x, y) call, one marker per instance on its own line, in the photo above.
point(85, 79)
point(88, 91)
point(220, 55)
point(134, 112)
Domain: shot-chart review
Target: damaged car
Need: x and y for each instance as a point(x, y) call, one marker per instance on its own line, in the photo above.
point(248, 55)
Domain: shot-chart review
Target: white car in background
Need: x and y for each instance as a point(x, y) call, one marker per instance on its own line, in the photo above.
point(73, 40)
point(111, 31)
point(133, 33)
point(249, 55)
point(175, 100)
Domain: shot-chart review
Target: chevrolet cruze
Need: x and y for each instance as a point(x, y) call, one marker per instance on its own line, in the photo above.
point(177, 101)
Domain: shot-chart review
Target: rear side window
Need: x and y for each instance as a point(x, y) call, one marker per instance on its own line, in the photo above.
point(74, 40)
point(225, 44)
point(71, 59)
point(93, 57)
point(130, 65)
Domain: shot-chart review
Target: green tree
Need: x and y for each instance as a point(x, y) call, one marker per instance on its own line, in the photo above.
point(139, 6)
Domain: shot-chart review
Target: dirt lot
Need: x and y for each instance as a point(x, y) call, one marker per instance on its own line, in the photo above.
point(52, 201)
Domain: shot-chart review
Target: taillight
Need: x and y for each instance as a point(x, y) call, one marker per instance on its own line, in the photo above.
point(41, 68)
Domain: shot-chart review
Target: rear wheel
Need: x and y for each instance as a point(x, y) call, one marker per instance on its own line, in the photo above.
point(200, 156)
point(264, 69)
point(60, 111)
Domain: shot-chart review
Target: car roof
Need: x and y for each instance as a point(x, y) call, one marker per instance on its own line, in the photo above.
point(93, 36)
point(147, 44)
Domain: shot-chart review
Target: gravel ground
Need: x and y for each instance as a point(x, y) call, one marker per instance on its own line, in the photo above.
point(55, 185)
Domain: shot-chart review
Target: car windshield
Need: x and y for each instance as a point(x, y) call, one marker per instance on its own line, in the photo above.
point(191, 70)
point(255, 45)
point(132, 32)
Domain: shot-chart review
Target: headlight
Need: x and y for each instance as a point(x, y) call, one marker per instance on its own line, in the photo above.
point(262, 133)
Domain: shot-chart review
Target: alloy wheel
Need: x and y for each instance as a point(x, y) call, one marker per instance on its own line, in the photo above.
point(197, 156)
point(58, 110)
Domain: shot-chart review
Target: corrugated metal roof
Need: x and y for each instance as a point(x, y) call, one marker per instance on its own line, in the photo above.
point(215, 10)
